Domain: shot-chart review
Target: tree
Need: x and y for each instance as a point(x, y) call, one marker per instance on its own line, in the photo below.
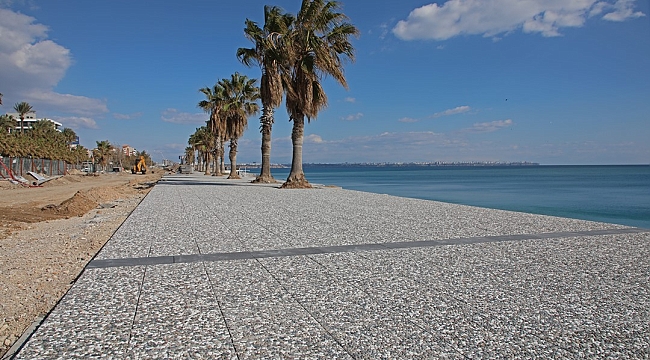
point(69, 136)
point(201, 141)
point(239, 96)
point(22, 108)
point(213, 105)
point(317, 46)
point(189, 155)
point(268, 54)
point(43, 129)
point(102, 153)
point(8, 123)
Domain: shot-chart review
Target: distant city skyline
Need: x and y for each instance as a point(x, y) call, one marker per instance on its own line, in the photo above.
point(497, 80)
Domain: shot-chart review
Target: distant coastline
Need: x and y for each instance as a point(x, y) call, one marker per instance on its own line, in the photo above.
point(400, 164)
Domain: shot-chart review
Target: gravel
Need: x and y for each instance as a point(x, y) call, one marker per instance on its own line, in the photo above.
point(562, 297)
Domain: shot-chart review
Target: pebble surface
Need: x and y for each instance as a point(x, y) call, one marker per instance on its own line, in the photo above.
point(567, 297)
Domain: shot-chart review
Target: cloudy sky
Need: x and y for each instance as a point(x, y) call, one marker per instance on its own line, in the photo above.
point(549, 81)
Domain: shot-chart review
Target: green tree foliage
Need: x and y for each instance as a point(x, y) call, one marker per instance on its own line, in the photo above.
point(43, 141)
point(7, 123)
point(102, 153)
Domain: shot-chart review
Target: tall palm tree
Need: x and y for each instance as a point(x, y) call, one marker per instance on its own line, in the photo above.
point(268, 54)
point(239, 96)
point(22, 108)
point(318, 45)
point(213, 105)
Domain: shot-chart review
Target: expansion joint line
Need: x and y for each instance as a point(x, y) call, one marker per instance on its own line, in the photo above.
point(323, 326)
point(137, 307)
point(223, 314)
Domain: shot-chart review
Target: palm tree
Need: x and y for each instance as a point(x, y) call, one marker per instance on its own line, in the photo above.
point(268, 54)
point(189, 155)
point(8, 123)
point(69, 136)
point(103, 152)
point(201, 141)
point(22, 108)
point(44, 129)
point(317, 46)
point(239, 96)
point(213, 105)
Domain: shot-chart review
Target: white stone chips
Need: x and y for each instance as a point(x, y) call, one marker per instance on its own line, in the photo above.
point(583, 296)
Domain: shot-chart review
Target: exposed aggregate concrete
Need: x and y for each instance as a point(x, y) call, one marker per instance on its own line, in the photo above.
point(569, 297)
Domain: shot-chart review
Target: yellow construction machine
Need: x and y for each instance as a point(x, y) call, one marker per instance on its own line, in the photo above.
point(140, 167)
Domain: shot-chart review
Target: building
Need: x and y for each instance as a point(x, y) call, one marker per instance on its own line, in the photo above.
point(128, 151)
point(31, 119)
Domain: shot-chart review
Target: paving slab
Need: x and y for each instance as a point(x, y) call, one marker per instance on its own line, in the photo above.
point(212, 268)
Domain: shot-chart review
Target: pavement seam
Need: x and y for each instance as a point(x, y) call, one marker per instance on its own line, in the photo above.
point(135, 313)
point(305, 309)
point(223, 315)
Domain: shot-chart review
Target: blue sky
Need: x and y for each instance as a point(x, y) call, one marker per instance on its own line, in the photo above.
point(548, 81)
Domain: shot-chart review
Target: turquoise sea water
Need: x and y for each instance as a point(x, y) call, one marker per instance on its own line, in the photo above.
point(615, 194)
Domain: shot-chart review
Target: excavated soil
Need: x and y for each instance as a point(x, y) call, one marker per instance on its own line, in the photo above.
point(49, 233)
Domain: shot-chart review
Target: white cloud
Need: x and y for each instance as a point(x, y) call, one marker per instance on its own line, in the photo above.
point(176, 117)
point(75, 104)
point(77, 122)
point(174, 146)
point(350, 100)
point(454, 111)
point(313, 138)
point(492, 17)
point(31, 66)
point(127, 116)
point(352, 117)
point(623, 10)
point(408, 120)
point(486, 127)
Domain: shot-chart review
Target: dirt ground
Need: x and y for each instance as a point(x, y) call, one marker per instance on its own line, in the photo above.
point(48, 234)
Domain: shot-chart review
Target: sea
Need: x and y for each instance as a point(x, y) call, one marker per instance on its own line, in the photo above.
point(613, 194)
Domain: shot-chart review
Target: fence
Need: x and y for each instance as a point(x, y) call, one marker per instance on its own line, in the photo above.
point(20, 166)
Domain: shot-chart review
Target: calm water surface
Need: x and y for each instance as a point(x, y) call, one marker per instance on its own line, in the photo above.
point(615, 194)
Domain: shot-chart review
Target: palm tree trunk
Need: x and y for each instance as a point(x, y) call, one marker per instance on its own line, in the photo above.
point(207, 162)
point(223, 155)
point(218, 157)
point(22, 130)
point(233, 159)
point(267, 124)
point(296, 179)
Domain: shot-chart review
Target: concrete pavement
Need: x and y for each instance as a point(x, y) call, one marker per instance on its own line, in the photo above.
point(213, 268)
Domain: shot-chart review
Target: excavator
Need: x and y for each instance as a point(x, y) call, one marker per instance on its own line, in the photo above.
point(140, 167)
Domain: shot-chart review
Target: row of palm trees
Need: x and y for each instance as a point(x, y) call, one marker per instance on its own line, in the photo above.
point(42, 141)
point(294, 54)
point(229, 102)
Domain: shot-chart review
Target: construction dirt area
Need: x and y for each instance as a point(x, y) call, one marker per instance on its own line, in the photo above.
point(49, 233)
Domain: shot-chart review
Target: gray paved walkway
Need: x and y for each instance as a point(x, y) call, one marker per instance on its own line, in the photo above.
point(210, 268)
